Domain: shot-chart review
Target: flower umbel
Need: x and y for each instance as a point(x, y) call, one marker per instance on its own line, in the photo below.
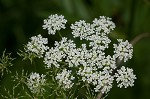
point(65, 79)
point(123, 50)
point(103, 25)
point(53, 23)
point(82, 29)
point(36, 82)
point(35, 48)
point(125, 77)
point(70, 65)
point(37, 45)
point(93, 65)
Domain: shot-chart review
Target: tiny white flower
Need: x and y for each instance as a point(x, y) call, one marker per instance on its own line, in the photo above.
point(53, 23)
point(125, 77)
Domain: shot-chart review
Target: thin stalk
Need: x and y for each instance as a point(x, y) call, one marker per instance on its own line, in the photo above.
point(88, 89)
point(59, 34)
point(74, 91)
point(139, 37)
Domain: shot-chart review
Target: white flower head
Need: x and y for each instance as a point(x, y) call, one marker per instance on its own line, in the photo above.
point(53, 57)
point(99, 42)
point(125, 77)
point(65, 79)
point(37, 45)
point(65, 45)
point(123, 50)
point(87, 74)
point(109, 63)
point(56, 54)
point(103, 25)
point(82, 29)
point(53, 23)
point(105, 82)
point(35, 83)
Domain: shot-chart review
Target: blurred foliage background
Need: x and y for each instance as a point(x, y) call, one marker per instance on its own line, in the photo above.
point(21, 19)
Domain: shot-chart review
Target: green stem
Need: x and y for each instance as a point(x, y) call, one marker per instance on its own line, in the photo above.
point(59, 34)
point(74, 91)
point(89, 93)
point(34, 65)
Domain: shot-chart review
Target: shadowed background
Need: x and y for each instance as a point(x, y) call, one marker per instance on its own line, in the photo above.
point(21, 19)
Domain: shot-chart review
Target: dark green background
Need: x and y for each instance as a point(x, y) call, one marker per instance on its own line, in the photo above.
point(21, 19)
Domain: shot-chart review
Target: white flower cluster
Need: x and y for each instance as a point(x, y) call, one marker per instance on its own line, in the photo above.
point(35, 83)
point(109, 63)
point(101, 80)
point(94, 67)
point(89, 61)
point(82, 29)
point(123, 50)
point(99, 27)
point(56, 54)
point(125, 77)
point(65, 79)
point(103, 25)
point(105, 82)
point(37, 45)
point(99, 42)
point(95, 32)
point(53, 23)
